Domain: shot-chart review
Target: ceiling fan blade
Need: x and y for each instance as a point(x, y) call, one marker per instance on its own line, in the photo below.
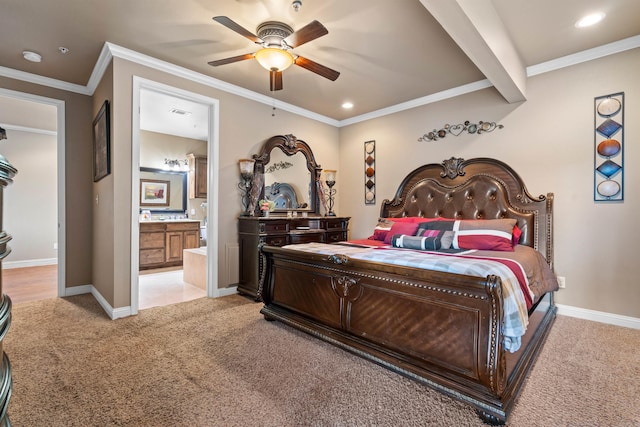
point(305, 34)
point(275, 80)
point(232, 25)
point(231, 59)
point(317, 68)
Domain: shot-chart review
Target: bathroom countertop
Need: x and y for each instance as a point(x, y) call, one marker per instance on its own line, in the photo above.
point(170, 220)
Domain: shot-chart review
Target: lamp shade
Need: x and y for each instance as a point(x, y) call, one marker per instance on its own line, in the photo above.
point(330, 175)
point(273, 58)
point(246, 166)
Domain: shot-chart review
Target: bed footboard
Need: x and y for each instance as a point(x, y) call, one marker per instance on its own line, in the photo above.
point(441, 329)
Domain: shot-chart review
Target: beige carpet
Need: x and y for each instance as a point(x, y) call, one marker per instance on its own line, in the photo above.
point(217, 362)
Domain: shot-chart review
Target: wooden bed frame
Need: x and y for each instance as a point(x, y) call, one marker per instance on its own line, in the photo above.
point(442, 329)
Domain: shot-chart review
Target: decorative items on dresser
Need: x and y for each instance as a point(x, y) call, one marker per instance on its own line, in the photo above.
point(7, 172)
point(162, 242)
point(197, 176)
point(255, 232)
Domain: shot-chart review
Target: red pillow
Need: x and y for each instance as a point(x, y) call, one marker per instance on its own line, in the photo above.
point(402, 227)
point(516, 235)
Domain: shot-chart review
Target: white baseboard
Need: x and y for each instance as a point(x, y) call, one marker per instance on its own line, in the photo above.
point(116, 313)
point(599, 316)
point(223, 292)
point(29, 263)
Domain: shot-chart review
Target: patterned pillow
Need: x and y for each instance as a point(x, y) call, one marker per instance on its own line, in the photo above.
point(487, 234)
point(384, 225)
point(429, 240)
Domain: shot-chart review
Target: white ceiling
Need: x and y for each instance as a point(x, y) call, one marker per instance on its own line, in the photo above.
point(389, 53)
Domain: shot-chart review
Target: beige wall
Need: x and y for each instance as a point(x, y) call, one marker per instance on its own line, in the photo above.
point(103, 201)
point(548, 140)
point(31, 202)
point(78, 167)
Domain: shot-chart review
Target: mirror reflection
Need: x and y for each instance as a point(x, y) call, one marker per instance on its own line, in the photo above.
point(287, 181)
point(174, 186)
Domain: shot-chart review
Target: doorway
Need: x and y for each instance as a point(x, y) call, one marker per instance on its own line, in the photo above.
point(172, 100)
point(36, 131)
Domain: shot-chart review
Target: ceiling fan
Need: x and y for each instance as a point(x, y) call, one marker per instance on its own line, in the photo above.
point(277, 39)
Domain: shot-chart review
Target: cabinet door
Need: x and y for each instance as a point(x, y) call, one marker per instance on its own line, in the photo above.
point(191, 239)
point(197, 176)
point(174, 240)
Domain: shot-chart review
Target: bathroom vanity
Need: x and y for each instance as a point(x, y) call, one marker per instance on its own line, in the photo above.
point(162, 242)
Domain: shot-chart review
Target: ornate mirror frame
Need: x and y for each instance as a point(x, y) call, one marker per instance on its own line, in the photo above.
point(290, 145)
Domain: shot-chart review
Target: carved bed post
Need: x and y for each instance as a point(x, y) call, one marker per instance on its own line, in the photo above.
point(7, 172)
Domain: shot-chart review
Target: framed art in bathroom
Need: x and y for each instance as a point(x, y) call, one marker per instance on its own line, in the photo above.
point(154, 192)
point(101, 143)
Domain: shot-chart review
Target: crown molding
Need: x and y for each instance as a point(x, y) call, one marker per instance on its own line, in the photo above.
point(43, 81)
point(110, 50)
point(584, 56)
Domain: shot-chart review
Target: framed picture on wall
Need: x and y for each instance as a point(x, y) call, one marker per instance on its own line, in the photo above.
point(154, 192)
point(101, 143)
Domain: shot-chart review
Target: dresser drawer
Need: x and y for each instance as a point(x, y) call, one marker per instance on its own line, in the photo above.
point(273, 227)
point(336, 236)
point(151, 256)
point(307, 237)
point(151, 240)
point(183, 226)
point(280, 240)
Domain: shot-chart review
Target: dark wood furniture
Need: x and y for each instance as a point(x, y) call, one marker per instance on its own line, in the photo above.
point(255, 232)
point(162, 242)
point(442, 329)
point(7, 172)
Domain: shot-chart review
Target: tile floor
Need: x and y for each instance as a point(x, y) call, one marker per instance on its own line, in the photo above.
point(164, 287)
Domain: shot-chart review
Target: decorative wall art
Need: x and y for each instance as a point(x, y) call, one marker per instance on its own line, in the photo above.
point(456, 130)
point(154, 192)
point(101, 143)
point(608, 151)
point(370, 173)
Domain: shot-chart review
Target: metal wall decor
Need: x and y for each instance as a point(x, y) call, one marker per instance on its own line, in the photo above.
point(608, 153)
point(456, 130)
point(370, 173)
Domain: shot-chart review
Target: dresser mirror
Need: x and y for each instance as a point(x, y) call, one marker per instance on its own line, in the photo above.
point(175, 183)
point(290, 174)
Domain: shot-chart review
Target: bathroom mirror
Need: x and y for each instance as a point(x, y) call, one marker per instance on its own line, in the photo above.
point(290, 174)
point(173, 185)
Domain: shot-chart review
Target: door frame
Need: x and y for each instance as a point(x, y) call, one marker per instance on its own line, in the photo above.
point(59, 104)
point(140, 83)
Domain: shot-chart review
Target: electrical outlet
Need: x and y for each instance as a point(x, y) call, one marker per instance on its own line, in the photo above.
point(562, 282)
point(55, 246)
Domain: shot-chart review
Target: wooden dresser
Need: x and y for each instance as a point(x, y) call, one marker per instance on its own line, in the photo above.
point(162, 242)
point(254, 232)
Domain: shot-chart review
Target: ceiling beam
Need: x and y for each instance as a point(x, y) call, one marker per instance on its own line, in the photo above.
point(477, 28)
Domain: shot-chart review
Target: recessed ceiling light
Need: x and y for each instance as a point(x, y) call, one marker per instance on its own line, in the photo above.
point(31, 56)
point(589, 20)
point(347, 105)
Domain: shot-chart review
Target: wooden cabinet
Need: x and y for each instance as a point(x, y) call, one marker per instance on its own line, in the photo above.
point(198, 168)
point(162, 243)
point(254, 232)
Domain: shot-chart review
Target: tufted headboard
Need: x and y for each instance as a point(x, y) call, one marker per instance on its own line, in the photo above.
point(479, 188)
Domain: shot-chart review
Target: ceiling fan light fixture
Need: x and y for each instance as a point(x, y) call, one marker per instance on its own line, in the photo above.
point(272, 58)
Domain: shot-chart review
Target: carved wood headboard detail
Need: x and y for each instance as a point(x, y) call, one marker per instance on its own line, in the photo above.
point(479, 188)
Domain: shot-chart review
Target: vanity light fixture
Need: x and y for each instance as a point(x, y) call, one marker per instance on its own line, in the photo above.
point(590, 20)
point(176, 165)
